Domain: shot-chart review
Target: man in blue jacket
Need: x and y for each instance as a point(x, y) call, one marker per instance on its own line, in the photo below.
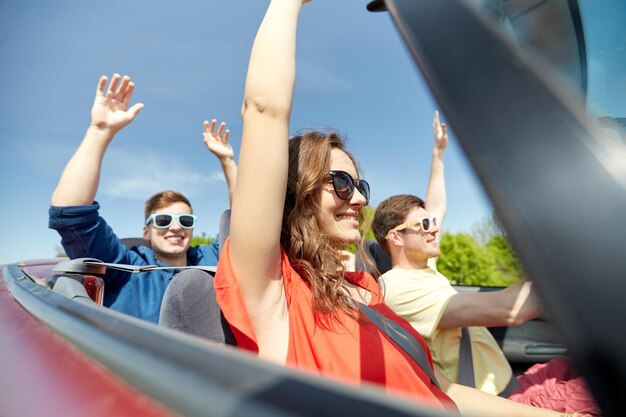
point(169, 218)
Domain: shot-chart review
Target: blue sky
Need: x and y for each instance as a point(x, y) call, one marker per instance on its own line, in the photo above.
point(188, 60)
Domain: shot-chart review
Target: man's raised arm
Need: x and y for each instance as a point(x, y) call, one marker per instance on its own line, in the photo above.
point(110, 113)
point(217, 143)
point(436, 191)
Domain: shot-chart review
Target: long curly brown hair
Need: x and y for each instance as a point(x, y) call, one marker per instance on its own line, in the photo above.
point(313, 254)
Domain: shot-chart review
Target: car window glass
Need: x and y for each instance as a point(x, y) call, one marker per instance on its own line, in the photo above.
point(584, 41)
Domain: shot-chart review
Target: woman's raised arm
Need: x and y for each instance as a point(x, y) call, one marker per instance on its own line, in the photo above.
point(262, 179)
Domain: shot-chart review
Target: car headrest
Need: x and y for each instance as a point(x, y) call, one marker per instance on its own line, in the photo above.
point(224, 227)
point(376, 254)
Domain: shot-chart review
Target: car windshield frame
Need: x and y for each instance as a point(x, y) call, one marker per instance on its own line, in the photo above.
point(544, 165)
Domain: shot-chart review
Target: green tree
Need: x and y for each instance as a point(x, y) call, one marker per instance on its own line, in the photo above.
point(367, 215)
point(203, 239)
point(486, 228)
point(507, 263)
point(465, 262)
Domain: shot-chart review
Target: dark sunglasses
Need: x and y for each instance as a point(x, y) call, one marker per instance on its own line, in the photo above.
point(163, 221)
point(344, 185)
point(425, 223)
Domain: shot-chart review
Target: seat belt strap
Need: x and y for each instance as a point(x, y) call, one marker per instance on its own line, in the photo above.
point(466, 362)
point(510, 388)
point(402, 338)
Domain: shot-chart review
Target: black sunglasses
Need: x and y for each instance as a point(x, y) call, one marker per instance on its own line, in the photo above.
point(344, 185)
point(163, 220)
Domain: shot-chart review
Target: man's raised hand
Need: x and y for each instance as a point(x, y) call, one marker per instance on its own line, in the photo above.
point(441, 133)
point(110, 108)
point(217, 141)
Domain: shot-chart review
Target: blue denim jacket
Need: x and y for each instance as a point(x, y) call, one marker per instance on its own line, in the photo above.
point(84, 234)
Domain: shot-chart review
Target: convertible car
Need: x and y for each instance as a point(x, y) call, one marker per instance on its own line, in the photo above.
point(529, 87)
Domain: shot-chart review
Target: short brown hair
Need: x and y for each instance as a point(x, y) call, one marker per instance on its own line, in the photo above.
point(391, 213)
point(162, 199)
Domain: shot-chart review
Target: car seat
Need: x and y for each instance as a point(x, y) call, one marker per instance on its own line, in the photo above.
point(190, 304)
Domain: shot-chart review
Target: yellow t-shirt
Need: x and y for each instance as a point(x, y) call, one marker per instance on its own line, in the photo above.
point(420, 296)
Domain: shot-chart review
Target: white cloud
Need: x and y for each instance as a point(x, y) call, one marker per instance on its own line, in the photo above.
point(318, 78)
point(139, 176)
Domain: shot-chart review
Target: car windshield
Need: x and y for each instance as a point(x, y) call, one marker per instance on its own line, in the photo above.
point(584, 41)
point(606, 61)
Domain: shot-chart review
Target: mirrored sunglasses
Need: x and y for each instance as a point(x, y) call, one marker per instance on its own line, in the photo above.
point(163, 220)
point(344, 186)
